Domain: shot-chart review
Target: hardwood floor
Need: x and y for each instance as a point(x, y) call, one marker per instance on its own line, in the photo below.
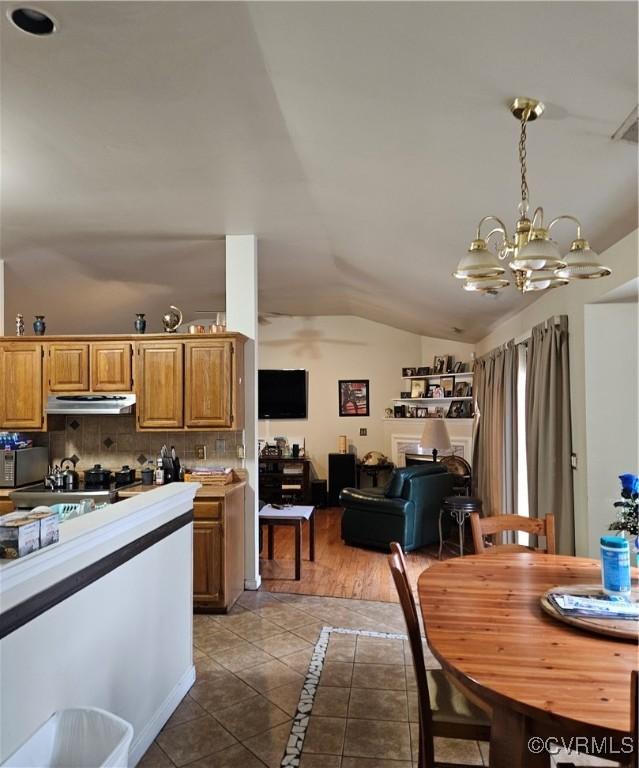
point(339, 570)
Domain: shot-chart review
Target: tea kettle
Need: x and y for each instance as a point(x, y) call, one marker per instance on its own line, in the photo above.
point(172, 320)
point(71, 479)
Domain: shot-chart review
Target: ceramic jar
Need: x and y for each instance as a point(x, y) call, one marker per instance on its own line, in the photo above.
point(39, 326)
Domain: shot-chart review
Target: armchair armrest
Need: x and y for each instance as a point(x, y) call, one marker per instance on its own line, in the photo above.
point(375, 502)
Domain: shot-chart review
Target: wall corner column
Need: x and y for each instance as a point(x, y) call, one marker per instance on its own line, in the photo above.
point(241, 316)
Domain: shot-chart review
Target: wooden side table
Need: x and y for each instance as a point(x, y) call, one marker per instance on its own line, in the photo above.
point(459, 507)
point(295, 516)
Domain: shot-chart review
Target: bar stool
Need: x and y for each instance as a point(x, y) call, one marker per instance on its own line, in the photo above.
point(459, 508)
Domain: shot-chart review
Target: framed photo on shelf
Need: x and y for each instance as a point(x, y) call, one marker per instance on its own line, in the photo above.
point(440, 412)
point(460, 409)
point(459, 367)
point(422, 413)
point(404, 395)
point(406, 372)
point(438, 392)
point(417, 388)
point(447, 383)
point(353, 397)
point(412, 412)
point(462, 389)
point(399, 411)
point(423, 370)
point(440, 363)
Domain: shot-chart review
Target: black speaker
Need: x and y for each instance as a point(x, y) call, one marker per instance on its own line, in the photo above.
point(341, 474)
point(318, 493)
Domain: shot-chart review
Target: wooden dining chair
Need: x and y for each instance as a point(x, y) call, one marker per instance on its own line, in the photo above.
point(443, 709)
point(634, 724)
point(490, 526)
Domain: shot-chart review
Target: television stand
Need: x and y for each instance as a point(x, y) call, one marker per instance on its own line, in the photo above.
point(284, 480)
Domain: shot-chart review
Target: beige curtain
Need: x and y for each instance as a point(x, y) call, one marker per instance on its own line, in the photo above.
point(495, 433)
point(548, 429)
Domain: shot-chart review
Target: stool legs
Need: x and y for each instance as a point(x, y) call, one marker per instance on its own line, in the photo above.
point(298, 550)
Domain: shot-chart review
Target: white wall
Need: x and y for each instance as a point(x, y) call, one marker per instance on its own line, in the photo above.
point(241, 316)
point(612, 405)
point(344, 347)
point(571, 301)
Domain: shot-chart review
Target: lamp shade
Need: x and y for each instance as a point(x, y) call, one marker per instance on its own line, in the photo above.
point(478, 262)
point(435, 435)
point(542, 280)
point(582, 263)
point(540, 252)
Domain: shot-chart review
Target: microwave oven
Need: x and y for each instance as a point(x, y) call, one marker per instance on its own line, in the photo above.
point(23, 466)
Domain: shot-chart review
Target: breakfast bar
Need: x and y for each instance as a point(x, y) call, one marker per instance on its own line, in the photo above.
point(103, 618)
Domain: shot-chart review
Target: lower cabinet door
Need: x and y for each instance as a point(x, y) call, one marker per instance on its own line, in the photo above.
point(208, 543)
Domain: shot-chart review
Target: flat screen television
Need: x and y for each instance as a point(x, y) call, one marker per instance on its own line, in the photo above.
point(281, 394)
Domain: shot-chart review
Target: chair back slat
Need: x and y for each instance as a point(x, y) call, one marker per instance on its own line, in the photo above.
point(489, 526)
point(397, 563)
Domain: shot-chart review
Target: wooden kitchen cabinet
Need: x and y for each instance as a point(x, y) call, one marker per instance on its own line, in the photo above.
point(68, 367)
point(111, 366)
point(21, 386)
point(208, 391)
point(208, 545)
point(159, 384)
point(218, 551)
point(6, 506)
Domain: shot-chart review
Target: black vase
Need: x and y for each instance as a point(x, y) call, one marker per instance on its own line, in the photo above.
point(140, 322)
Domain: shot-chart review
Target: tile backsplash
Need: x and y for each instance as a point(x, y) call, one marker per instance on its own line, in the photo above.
point(113, 441)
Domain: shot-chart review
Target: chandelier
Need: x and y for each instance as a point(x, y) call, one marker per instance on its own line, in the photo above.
point(535, 261)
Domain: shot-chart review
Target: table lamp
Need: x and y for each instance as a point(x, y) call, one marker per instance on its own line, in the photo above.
point(435, 436)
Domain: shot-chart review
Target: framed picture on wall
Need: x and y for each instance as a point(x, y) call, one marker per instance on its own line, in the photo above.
point(353, 397)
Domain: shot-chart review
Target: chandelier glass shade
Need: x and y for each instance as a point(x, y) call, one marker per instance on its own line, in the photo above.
point(534, 260)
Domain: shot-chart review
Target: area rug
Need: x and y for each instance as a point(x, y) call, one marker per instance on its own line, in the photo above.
point(293, 753)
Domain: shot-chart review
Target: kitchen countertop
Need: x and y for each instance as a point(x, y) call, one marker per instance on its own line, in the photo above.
point(203, 492)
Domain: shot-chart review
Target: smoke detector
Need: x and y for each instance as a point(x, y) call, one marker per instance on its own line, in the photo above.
point(627, 131)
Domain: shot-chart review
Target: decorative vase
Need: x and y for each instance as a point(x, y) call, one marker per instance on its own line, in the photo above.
point(19, 325)
point(140, 322)
point(39, 326)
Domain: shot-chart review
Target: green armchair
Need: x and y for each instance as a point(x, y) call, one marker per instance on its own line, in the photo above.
point(406, 511)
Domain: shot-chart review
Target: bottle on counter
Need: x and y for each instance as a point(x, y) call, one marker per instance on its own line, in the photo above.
point(159, 472)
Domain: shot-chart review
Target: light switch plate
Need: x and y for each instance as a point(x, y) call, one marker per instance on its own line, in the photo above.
point(200, 451)
point(363, 432)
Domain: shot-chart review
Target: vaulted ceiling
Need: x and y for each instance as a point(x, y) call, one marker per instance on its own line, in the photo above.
point(361, 142)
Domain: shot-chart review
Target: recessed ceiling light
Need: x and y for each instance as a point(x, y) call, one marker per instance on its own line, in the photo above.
point(31, 21)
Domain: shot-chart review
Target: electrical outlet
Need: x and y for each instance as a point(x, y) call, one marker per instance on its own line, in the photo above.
point(363, 432)
point(240, 452)
point(573, 460)
point(200, 451)
point(220, 446)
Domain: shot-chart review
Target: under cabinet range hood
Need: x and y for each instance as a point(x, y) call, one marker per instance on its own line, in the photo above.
point(90, 405)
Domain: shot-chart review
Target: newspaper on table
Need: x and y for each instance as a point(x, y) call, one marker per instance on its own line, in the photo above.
point(600, 606)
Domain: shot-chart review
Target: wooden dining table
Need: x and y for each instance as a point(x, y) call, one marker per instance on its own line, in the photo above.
point(543, 679)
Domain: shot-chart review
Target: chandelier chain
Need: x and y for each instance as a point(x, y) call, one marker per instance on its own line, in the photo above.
point(522, 158)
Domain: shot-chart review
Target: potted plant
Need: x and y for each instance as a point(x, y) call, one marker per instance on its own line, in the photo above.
point(627, 521)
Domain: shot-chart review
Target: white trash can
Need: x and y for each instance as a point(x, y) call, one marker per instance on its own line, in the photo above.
point(76, 738)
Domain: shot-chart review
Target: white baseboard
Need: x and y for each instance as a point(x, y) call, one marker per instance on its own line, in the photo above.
point(145, 738)
point(253, 584)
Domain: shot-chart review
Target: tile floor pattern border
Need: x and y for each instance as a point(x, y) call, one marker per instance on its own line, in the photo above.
point(299, 726)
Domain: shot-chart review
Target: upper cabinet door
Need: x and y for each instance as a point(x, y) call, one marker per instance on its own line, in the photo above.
point(208, 395)
point(21, 396)
point(68, 367)
point(159, 384)
point(111, 366)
